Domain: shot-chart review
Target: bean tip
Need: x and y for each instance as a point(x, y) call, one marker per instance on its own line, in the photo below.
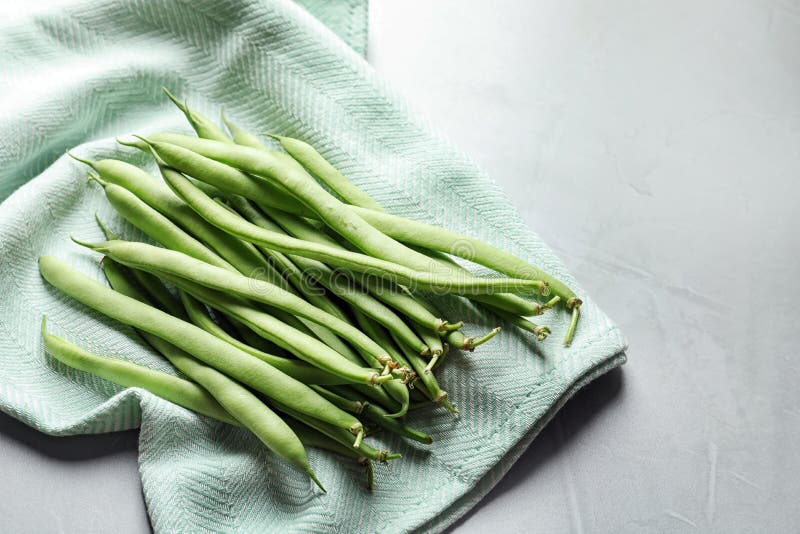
point(178, 104)
point(93, 177)
point(88, 162)
point(92, 246)
point(110, 235)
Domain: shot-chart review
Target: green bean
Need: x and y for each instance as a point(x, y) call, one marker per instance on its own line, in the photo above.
point(157, 261)
point(248, 409)
point(200, 167)
point(200, 344)
point(161, 294)
point(443, 240)
point(232, 180)
point(245, 406)
point(289, 174)
point(176, 390)
point(435, 392)
point(296, 369)
point(304, 346)
point(313, 161)
point(541, 332)
point(378, 415)
point(509, 305)
point(207, 129)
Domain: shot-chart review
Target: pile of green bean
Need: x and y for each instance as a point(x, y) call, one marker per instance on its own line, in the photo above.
point(288, 301)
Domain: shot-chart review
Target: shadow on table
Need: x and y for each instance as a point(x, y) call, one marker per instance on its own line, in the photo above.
point(567, 424)
point(68, 448)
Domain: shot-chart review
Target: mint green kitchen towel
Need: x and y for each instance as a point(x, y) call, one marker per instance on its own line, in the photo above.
point(74, 75)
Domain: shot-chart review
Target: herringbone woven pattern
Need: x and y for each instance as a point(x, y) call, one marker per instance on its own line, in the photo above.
point(274, 67)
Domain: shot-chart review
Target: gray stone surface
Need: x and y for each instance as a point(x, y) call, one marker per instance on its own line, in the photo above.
point(656, 147)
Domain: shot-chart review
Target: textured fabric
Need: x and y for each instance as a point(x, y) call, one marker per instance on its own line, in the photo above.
point(273, 67)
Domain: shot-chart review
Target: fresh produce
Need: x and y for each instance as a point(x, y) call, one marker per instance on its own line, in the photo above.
point(296, 311)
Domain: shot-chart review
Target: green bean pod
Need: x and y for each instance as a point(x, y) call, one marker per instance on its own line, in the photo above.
point(349, 405)
point(240, 135)
point(172, 388)
point(197, 342)
point(283, 170)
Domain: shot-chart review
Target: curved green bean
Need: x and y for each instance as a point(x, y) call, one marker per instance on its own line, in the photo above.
point(197, 342)
point(172, 388)
point(314, 438)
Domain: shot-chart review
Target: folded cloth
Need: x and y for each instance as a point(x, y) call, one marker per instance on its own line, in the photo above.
point(82, 73)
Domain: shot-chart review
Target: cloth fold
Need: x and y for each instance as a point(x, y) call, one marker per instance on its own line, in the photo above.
point(278, 67)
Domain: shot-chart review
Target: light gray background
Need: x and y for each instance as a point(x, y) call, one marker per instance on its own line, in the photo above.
point(656, 147)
